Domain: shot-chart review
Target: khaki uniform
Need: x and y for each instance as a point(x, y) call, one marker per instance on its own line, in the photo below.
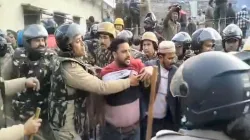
point(72, 81)
point(5, 67)
point(11, 87)
point(190, 135)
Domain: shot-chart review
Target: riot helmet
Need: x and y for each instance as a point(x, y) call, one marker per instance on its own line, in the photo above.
point(93, 31)
point(65, 34)
point(204, 39)
point(107, 28)
point(34, 31)
point(182, 42)
point(3, 46)
point(150, 22)
point(119, 24)
point(20, 38)
point(126, 34)
point(232, 38)
point(50, 25)
point(151, 37)
point(210, 90)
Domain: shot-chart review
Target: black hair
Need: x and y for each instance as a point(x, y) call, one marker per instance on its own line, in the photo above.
point(114, 46)
point(91, 19)
point(229, 4)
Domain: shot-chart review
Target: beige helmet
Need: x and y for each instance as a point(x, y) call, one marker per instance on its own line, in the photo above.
point(107, 27)
point(246, 46)
point(149, 36)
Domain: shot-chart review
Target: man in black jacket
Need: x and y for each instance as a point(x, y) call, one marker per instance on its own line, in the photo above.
point(220, 14)
point(166, 107)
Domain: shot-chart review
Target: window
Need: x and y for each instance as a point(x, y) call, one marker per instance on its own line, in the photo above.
point(76, 19)
point(59, 18)
point(31, 17)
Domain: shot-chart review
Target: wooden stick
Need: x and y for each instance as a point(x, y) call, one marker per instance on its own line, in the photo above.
point(151, 102)
point(38, 110)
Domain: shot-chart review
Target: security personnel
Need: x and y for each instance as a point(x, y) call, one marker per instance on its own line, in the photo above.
point(9, 88)
point(207, 114)
point(119, 24)
point(20, 38)
point(33, 60)
point(9, 47)
point(92, 43)
point(72, 81)
point(244, 54)
point(150, 24)
point(149, 46)
point(232, 38)
point(102, 55)
point(5, 57)
point(204, 40)
point(182, 42)
point(50, 26)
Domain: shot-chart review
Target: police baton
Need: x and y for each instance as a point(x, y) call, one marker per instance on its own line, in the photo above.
point(151, 102)
point(38, 110)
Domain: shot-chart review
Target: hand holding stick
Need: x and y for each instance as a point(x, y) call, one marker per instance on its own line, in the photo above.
point(151, 102)
point(38, 110)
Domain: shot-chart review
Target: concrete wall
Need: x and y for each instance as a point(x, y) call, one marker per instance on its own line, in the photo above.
point(11, 11)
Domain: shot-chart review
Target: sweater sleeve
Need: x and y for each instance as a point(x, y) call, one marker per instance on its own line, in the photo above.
point(15, 132)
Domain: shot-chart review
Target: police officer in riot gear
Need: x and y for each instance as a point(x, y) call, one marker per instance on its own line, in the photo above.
point(150, 24)
point(91, 40)
point(33, 60)
point(244, 54)
point(232, 38)
point(182, 42)
point(204, 39)
point(50, 26)
point(72, 81)
point(92, 34)
point(207, 114)
point(5, 57)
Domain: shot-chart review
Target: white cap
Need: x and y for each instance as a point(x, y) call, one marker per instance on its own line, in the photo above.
point(166, 47)
point(244, 7)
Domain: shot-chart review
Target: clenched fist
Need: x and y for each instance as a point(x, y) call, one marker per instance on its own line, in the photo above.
point(32, 83)
point(32, 126)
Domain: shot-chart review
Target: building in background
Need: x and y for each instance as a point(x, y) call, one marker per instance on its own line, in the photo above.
point(16, 15)
point(108, 7)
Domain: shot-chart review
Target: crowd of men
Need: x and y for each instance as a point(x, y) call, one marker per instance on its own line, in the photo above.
point(97, 86)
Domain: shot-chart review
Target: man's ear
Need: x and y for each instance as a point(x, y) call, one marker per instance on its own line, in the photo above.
point(114, 54)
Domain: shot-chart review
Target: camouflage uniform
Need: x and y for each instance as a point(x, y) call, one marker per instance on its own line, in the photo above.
point(62, 104)
point(25, 102)
point(91, 46)
point(103, 57)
